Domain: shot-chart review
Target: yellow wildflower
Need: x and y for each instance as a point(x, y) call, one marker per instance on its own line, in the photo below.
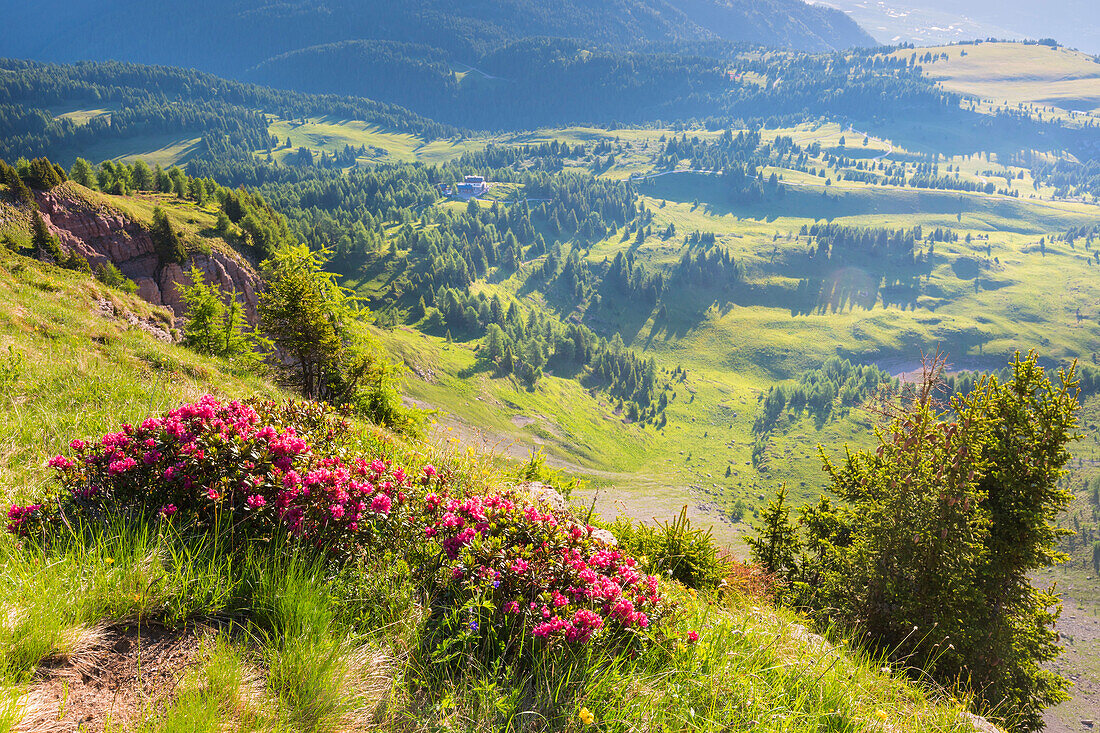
point(586, 716)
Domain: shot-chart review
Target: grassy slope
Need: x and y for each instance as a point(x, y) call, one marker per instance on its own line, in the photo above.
point(735, 350)
point(734, 354)
point(57, 351)
point(331, 135)
point(1014, 73)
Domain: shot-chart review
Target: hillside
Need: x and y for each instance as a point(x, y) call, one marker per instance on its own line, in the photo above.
point(680, 311)
point(69, 339)
point(230, 38)
point(170, 626)
point(1015, 74)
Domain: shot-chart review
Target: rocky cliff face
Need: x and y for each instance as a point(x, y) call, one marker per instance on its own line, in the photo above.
point(105, 235)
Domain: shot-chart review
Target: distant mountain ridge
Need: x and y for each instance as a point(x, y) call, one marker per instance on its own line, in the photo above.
point(229, 37)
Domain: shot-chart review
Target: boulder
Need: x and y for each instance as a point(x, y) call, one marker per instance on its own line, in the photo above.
point(545, 493)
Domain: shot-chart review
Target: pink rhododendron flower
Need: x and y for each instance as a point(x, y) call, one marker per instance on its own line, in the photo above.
point(381, 504)
point(60, 462)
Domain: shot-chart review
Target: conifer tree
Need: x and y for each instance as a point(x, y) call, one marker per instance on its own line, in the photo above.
point(939, 529)
point(45, 243)
point(141, 176)
point(166, 240)
point(82, 173)
point(305, 312)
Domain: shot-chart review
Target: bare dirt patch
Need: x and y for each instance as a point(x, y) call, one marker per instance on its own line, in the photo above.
point(118, 677)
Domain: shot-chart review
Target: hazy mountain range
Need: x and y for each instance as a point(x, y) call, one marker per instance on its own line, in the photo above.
point(1074, 23)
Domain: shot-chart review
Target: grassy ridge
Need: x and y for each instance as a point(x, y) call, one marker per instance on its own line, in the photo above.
point(1016, 73)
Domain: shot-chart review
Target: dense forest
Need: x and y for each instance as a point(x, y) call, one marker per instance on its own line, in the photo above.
point(155, 100)
point(524, 84)
point(236, 38)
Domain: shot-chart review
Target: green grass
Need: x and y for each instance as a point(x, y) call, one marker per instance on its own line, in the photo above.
point(292, 659)
point(736, 345)
point(57, 350)
point(329, 135)
point(82, 115)
point(1013, 74)
point(163, 149)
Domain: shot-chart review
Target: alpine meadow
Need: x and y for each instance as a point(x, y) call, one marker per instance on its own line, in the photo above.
point(546, 365)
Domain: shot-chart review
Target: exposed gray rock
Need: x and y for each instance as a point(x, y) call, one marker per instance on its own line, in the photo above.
point(545, 493)
point(604, 536)
point(981, 725)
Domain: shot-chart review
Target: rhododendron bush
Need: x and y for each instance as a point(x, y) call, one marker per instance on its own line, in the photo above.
point(508, 565)
point(247, 467)
point(498, 566)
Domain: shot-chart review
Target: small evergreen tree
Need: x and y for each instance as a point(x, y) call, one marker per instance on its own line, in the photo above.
point(775, 545)
point(305, 312)
point(82, 173)
point(166, 240)
point(22, 192)
point(939, 530)
point(42, 175)
point(141, 176)
point(212, 328)
point(46, 245)
point(110, 275)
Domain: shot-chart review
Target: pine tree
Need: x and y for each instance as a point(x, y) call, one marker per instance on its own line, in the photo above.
point(42, 176)
point(82, 173)
point(205, 315)
point(141, 176)
point(940, 529)
point(306, 312)
point(775, 544)
point(45, 243)
point(166, 240)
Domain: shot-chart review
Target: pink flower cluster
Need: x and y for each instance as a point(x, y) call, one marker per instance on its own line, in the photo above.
point(500, 562)
point(212, 456)
point(544, 571)
point(20, 516)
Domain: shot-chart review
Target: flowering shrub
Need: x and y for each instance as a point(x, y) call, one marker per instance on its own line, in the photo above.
point(508, 566)
point(499, 566)
point(218, 462)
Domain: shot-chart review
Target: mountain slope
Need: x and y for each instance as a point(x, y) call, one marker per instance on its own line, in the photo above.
point(788, 23)
point(231, 37)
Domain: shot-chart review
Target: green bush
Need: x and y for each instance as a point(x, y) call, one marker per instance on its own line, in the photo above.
point(930, 550)
point(674, 550)
point(111, 276)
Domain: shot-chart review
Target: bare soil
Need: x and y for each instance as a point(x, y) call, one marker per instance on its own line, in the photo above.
point(1079, 627)
point(118, 677)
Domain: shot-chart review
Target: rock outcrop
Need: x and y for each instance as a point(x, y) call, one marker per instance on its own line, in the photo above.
point(102, 234)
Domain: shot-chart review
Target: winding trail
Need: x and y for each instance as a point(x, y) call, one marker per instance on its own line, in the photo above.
point(641, 177)
point(876, 139)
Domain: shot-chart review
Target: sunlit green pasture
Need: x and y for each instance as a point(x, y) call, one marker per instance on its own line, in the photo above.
point(1015, 73)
